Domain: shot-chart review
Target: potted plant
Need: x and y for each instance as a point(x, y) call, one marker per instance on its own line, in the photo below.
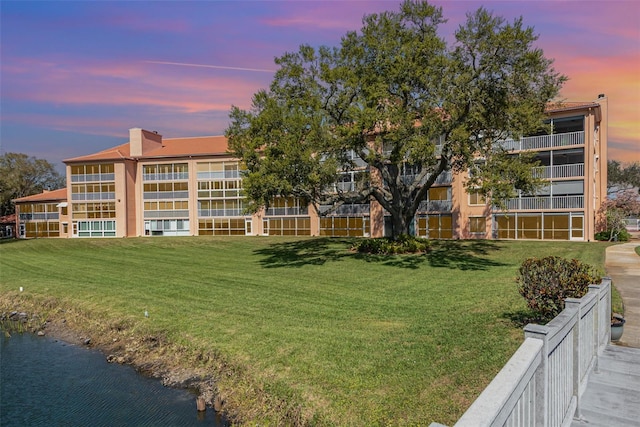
point(617, 326)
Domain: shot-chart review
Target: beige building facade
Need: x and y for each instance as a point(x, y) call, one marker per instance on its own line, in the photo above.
point(154, 186)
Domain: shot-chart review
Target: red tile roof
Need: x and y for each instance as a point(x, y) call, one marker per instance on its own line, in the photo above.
point(119, 152)
point(171, 147)
point(567, 106)
point(193, 146)
point(45, 196)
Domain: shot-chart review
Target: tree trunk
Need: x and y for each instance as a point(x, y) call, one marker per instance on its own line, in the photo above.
point(399, 225)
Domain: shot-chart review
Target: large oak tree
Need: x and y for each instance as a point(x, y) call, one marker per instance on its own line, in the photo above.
point(400, 106)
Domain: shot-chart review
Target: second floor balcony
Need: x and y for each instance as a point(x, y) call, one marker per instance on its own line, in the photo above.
point(435, 206)
point(39, 216)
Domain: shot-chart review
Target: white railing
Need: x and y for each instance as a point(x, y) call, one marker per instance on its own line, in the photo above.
point(559, 171)
point(543, 382)
point(39, 216)
point(165, 176)
point(543, 141)
point(435, 206)
point(545, 202)
point(158, 195)
point(444, 178)
point(93, 196)
point(632, 224)
point(101, 177)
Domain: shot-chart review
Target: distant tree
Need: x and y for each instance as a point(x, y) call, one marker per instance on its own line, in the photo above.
point(623, 177)
point(393, 108)
point(21, 175)
point(613, 213)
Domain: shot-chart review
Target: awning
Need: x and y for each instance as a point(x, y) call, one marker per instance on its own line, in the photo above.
point(62, 205)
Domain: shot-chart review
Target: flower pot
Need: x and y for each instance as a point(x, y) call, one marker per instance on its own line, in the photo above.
point(617, 327)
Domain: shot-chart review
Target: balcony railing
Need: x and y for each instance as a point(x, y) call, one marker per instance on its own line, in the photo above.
point(545, 202)
point(435, 206)
point(559, 171)
point(41, 216)
point(231, 174)
point(444, 178)
point(219, 212)
point(349, 209)
point(167, 214)
point(169, 176)
point(544, 141)
point(93, 196)
point(155, 195)
point(287, 211)
point(101, 177)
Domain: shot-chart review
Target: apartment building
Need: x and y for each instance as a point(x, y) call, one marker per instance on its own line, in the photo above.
point(154, 186)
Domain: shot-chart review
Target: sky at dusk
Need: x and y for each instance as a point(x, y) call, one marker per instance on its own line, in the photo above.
point(75, 76)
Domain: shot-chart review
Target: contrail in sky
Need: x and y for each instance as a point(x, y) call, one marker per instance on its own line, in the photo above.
point(182, 64)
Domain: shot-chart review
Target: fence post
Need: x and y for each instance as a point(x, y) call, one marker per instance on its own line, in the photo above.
point(541, 376)
point(574, 304)
point(604, 313)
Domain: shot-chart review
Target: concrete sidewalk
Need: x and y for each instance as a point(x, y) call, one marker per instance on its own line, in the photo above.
point(623, 266)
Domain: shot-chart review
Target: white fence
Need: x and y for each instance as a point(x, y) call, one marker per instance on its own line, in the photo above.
point(632, 224)
point(543, 382)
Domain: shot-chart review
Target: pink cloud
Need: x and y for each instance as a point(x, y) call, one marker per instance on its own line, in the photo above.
point(133, 83)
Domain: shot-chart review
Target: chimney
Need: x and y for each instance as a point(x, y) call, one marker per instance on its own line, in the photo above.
point(142, 141)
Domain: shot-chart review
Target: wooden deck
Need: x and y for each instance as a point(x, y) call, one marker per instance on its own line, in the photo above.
point(612, 397)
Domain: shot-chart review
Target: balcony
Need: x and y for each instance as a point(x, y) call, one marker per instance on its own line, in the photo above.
point(97, 177)
point(159, 195)
point(435, 206)
point(287, 211)
point(39, 216)
point(217, 175)
point(204, 213)
point(93, 196)
point(348, 209)
point(545, 203)
point(443, 179)
point(169, 176)
point(167, 214)
point(544, 141)
point(559, 171)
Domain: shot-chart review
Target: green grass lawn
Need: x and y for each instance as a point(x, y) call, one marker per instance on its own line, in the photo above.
point(347, 339)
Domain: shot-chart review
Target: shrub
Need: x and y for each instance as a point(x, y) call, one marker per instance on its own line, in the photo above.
point(382, 246)
point(619, 235)
point(546, 282)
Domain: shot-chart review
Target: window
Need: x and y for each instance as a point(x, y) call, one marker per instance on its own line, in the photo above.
point(478, 225)
point(223, 227)
point(475, 198)
point(165, 172)
point(437, 226)
point(505, 226)
point(288, 226)
point(93, 210)
point(95, 228)
point(344, 226)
